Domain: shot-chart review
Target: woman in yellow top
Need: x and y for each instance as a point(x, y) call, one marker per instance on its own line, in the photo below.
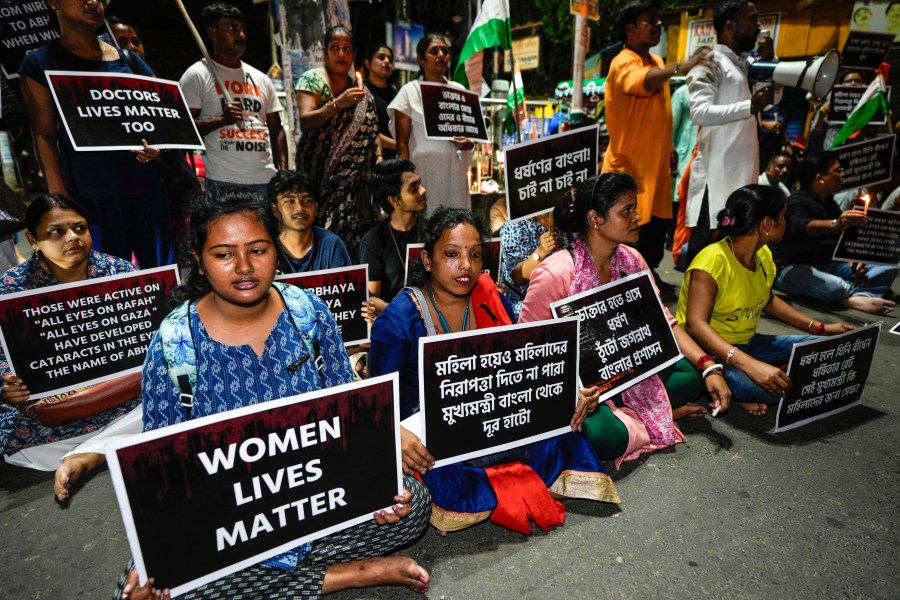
point(729, 285)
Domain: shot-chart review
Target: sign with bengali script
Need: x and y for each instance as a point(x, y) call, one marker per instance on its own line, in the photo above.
point(866, 49)
point(843, 100)
point(71, 335)
point(451, 111)
point(866, 163)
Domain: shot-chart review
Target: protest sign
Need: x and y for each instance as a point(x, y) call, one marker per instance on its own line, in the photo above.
point(491, 256)
point(25, 25)
point(344, 290)
point(491, 390)
point(844, 99)
point(527, 51)
point(866, 49)
point(450, 111)
point(413, 251)
point(585, 8)
point(538, 172)
point(115, 111)
point(895, 329)
point(828, 376)
point(625, 336)
point(875, 243)
point(701, 32)
point(211, 496)
point(866, 163)
point(71, 335)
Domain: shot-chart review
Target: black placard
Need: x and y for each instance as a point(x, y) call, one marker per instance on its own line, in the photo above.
point(490, 390)
point(450, 112)
point(538, 172)
point(828, 376)
point(625, 336)
point(866, 163)
point(344, 290)
point(25, 25)
point(211, 496)
point(877, 242)
point(115, 111)
point(71, 335)
point(843, 100)
point(866, 49)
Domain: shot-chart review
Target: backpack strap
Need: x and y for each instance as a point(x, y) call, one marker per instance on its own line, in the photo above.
point(178, 343)
point(426, 314)
point(303, 317)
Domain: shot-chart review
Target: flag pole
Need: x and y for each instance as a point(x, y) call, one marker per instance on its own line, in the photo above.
point(512, 63)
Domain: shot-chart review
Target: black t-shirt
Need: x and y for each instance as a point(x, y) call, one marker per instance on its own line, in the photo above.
point(379, 250)
point(797, 247)
point(383, 97)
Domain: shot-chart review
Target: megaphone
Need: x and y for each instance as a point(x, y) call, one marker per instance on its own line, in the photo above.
point(816, 75)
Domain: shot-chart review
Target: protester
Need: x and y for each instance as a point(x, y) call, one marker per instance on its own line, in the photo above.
point(525, 243)
point(339, 124)
point(57, 229)
point(724, 108)
point(303, 246)
point(814, 225)
point(402, 195)
point(120, 191)
point(821, 132)
point(377, 68)
point(451, 295)
point(442, 163)
point(778, 172)
point(245, 142)
point(727, 288)
point(637, 96)
point(127, 36)
point(602, 215)
point(246, 335)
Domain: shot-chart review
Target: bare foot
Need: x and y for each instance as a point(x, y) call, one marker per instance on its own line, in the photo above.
point(875, 306)
point(688, 411)
point(382, 570)
point(72, 470)
point(757, 409)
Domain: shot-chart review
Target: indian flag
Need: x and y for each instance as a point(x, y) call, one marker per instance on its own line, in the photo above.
point(491, 28)
point(516, 113)
point(872, 100)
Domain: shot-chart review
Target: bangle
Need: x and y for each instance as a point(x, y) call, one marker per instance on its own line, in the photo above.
point(729, 355)
point(677, 66)
point(703, 360)
point(334, 104)
point(809, 327)
point(834, 224)
point(820, 329)
point(713, 369)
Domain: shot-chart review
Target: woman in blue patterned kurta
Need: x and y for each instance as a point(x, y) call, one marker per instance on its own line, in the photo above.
point(242, 339)
point(58, 231)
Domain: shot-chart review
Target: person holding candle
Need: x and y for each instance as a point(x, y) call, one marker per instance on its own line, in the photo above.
point(814, 225)
point(339, 125)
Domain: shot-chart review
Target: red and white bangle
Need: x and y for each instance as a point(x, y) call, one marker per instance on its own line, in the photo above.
point(713, 369)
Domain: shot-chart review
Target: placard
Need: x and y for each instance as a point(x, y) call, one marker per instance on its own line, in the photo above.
point(450, 112)
point(491, 256)
point(115, 111)
point(72, 335)
point(828, 376)
point(701, 32)
point(490, 390)
point(25, 25)
point(585, 8)
point(895, 329)
point(866, 163)
point(625, 336)
point(866, 49)
point(211, 496)
point(343, 289)
point(525, 50)
point(538, 172)
point(875, 243)
point(845, 98)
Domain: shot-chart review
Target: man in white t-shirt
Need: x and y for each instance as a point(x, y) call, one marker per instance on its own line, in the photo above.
point(245, 142)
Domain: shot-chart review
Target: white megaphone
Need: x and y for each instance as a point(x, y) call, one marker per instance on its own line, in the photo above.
point(816, 75)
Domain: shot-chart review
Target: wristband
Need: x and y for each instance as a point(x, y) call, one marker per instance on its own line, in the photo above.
point(729, 355)
point(820, 329)
point(716, 367)
point(703, 360)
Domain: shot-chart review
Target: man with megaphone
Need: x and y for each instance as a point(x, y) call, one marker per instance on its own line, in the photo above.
point(723, 106)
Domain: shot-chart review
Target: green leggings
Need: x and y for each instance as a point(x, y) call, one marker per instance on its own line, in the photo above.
point(609, 436)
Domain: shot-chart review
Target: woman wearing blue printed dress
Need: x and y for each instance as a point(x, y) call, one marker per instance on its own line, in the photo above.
point(236, 329)
point(57, 228)
point(526, 243)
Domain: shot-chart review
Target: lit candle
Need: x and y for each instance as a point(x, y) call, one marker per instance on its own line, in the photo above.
point(469, 178)
point(359, 80)
point(866, 200)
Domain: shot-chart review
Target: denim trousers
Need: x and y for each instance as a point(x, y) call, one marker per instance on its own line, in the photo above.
point(771, 349)
point(835, 281)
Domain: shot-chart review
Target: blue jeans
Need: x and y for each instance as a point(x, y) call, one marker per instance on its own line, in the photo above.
point(772, 349)
point(259, 188)
point(835, 281)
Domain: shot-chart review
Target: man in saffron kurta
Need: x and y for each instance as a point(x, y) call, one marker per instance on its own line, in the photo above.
point(639, 119)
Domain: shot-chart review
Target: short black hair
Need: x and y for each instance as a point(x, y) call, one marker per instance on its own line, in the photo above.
point(727, 10)
point(291, 181)
point(810, 167)
point(117, 21)
point(628, 14)
point(221, 10)
point(44, 204)
point(387, 180)
point(781, 154)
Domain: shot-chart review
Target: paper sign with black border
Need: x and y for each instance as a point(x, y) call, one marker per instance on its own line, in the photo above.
point(354, 328)
point(866, 49)
point(94, 122)
point(538, 172)
point(828, 376)
point(844, 98)
point(521, 377)
point(895, 329)
point(875, 243)
point(78, 334)
point(617, 319)
point(445, 106)
point(491, 264)
point(866, 163)
point(174, 509)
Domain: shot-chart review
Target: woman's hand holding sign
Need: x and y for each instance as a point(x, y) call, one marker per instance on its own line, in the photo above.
point(14, 389)
point(416, 458)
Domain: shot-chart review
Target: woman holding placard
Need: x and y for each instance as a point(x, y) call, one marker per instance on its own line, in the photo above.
point(452, 295)
point(236, 329)
point(442, 164)
point(603, 215)
point(58, 229)
point(729, 285)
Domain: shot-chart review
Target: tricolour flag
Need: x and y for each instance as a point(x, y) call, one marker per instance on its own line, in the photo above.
point(491, 28)
point(871, 101)
point(516, 113)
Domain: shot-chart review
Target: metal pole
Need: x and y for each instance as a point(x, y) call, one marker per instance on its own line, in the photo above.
point(578, 66)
